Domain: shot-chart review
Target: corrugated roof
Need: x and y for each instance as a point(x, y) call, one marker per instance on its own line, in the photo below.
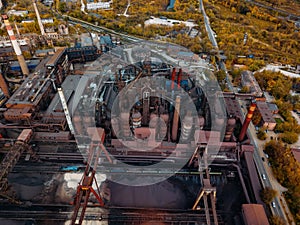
point(254, 214)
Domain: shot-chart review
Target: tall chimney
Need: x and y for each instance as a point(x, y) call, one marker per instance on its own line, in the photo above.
point(173, 77)
point(38, 18)
point(176, 118)
point(179, 77)
point(247, 121)
point(16, 46)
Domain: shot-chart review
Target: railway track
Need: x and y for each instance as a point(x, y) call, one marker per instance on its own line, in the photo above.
point(36, 212)
point(114, 215)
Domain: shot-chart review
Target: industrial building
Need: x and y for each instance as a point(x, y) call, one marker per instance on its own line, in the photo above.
point(249, 81)
point(268, 121)
point(185, 156)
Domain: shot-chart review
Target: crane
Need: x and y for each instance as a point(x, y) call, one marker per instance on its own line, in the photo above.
point(85, 189)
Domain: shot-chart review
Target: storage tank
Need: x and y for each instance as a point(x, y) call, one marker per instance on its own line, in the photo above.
point(229, 128)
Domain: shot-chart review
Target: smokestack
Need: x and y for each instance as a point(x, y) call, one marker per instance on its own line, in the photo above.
point(4, 86)
point(176, 118)
point(38, 18)
point(16, 46)
point(179, 78)
point(247, 121)
point(173, 78)
point(229, 128)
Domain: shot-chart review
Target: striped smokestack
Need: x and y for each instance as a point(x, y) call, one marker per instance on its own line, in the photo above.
point(247, 121)
point(16, 46)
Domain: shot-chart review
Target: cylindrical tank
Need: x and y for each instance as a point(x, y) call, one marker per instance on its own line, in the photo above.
point(124, 124)
point(160, 123)
point(136, 119)
point(187, 125)
point(229, 128)
point(115, 126)
point(164, 127)
point(201, 121)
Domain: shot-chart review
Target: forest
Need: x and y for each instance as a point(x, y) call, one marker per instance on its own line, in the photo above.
point(287, 171)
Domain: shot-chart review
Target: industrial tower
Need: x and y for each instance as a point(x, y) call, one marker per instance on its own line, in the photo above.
point(16, 46)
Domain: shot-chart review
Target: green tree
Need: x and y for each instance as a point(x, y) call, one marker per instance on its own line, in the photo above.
point(261, 134)
point(221, 75)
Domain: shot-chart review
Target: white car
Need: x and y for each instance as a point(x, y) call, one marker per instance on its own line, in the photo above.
point(273, 205)
point(263, 176)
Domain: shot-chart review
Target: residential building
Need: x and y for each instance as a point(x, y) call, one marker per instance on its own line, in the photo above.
point(267, 120)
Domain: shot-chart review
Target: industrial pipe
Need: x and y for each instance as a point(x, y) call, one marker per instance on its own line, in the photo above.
point(176, 118)
point(179, 77)
point(173, 78)
point(247, 121)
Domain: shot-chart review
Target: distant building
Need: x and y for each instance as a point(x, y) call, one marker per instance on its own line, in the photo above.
point(63, 29)
point(44, 52)
point(273, 107)
point(268, 121)
point(17, 13)
point(27, 21)
point(167, 22)
point(105, 43)
point(47, 20)
point(98, 5)
point(187, 56)
point(48, 2)
point(248, 80)
point(269, 98)
point(86, 40)
point(254, 214)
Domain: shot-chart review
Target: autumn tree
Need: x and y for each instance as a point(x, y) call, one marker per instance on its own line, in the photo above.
point(287, 171)
point(256, 119)
point(267, 195)
point(289, 137)
point(276, 220)
point(261, 134)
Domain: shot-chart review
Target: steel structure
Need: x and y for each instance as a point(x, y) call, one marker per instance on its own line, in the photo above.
point(12, 157)
point(85, 188)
